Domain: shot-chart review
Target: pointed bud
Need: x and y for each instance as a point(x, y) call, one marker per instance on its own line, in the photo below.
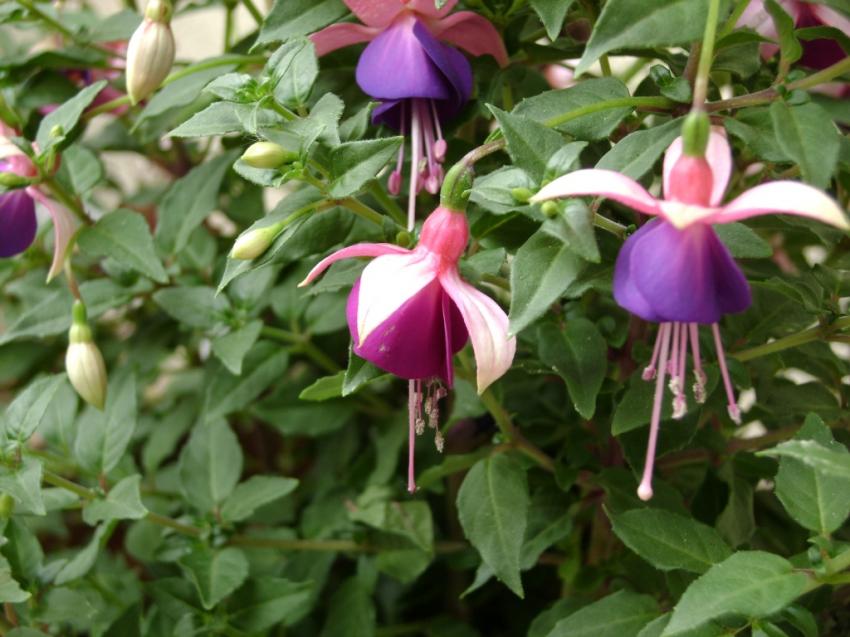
point(695, 132)
point(83, 360)
point(521, 195)
point(11, 180)
point(254, 242)
point(268, 155)
point(150, 53)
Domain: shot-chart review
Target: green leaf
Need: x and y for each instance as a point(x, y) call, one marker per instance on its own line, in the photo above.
point(83, 561)
point(743, 242)
point(359, 373)
point(351, 612)
point(545, 106)
point(255, 492)
point(669, 541)
point(530, 144)
point(123, 502)
point(622, 614)
point(10, 591)
point(124, 236)
point(82, 167)
point(807, 135)
point(818, 501)
point(827, 460)
point(543, 268)
point(636, 154)
point(790, 49)
point(226, 393)
point(103, 436)
point(641, 24)
point(492, 506)
point(24, 485)
point(181, 92)
point(293, 18)
point(552, 14)
point(188, 201)
point(353, 164)
point(233, 346)
point(215, 574)
point(293, 68)
point(210, 465)
point(266, 601)
point(222, 118)
point(750, 583)
point(65, 118)
point(193, 306)
point(579, 355)
point(324, 388)
point(27, 411)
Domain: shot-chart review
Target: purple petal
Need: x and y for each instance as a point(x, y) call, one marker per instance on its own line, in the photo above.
point(454, 67)
point(418, 340)
point(683, 275)
point(626, 292)
point(17, 222)
point(395, 65)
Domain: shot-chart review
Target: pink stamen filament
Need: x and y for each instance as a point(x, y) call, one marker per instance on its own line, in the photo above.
point(650, 370)
point(415, 157)
point(734, 410)
point(394, 182)
point(645, 489)
point(412, 400)
point(699, 374)
point(680, 404)
point(674, 359)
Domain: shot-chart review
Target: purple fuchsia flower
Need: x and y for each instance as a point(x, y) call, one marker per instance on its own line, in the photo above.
point(818, 53)
point(18, 221)
point(410, 312)
point(675, 270)
point(420, 81)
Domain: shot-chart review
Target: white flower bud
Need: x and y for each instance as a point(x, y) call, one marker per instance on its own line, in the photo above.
point(84, 362)
point(150, 53)
point(267, 155)
point(252, 243)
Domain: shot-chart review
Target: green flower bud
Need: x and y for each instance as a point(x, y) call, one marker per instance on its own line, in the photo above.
point(83, 360)
point(158, 11)
point(695, 131)
point(521, 195)
point(150, 53)
point(11, 180)
point(403, 238)
point(7, 505)
point(252, 243)
point(268, 155)
point(550, 209)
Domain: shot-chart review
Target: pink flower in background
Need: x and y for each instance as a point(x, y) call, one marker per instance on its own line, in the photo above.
point(410, 312)
point(418, 78)
point(675, 270)
point(86, 77)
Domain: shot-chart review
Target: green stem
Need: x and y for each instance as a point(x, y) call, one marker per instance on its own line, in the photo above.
point(66, 199)
point(817, 332)
point(228, 25)
point(609, 225)
point(510, 431)
point(388, 203)
point(334, 546)
point(605, 65)
point(706, 54)
point(362, 210)
point(54, 24)
point(303, 344)
point(732, 21)
point(254, 11)
point(619, 102)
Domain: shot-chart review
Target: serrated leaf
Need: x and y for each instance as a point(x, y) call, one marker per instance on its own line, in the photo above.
point(193, 306)
point(83, 560)
point(10, 591)
point(123, 502)
point(492, 506)
point(552, 14)
point(827, 460)
point(807, 135)
point(530, 144)
point(750, 583)
point(324, 388)
point(23, 483)
point(266, 601)
point(636, 154)
point(743, 242)
point(353, 164)
point(104, 436)
point(210, 465)
point(255, 492)
point(26, 412)
point(65, 117)
point(293, 18)
point(670, 541)
point(233, 346)
point(216, 574)
point(622, 614)
point(124, 236)
point(293, 68)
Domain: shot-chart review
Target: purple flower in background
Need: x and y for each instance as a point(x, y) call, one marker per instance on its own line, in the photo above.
point(675, 270)
point(420, 81)
point(410, 312)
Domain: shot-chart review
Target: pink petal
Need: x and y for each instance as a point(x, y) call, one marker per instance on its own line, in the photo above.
point(605, 183)
point(487, 325)
point(429, 9)
point(387, 283)
point(831, 18)
point(472, 33)
point(788, 197)
point(717, 154)
point(64, 228)
point(375, 13)
point(337, 36)
point(359, 250)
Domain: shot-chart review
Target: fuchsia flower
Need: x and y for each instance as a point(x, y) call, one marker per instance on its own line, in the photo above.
point(675, 271)
point(18, 221)
point(410, 312)
point(410, 68)
point(818, 53)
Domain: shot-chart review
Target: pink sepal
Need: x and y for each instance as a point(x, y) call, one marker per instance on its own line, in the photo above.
point(337, 36)
point(788, 197)
point(429, 9)
point(472, 33)
point(719, 158)
point(604, 183)
point(359, 250)
point(64, 228)
point(375, 13)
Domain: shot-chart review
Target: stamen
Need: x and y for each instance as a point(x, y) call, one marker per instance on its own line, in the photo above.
point(649, 371)
point(432, 182)
point(439, 441)
point(734, 410)
point(415, 157)
point(411, 435)
point(440, 145)
point(672, 364)
point(645, 489)
point(394, 182)
point(680, 402)
point(699, 374)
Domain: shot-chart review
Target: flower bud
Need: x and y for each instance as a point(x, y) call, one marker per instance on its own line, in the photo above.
point(521, 195)
point(268, 155)
point(695, 131)
point(254, 242)
point(83, 360)
point(11, 180)
point(7, 505)
point(549, 209)
point(150, 53)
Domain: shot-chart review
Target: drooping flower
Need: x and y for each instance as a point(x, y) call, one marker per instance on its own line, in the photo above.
point(675, 270)
point(420, 80)
point(81, 78)
point(18, 221)
point(410, 312)
point(818, 53)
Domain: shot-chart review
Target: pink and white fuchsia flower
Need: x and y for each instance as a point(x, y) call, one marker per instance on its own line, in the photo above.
point(410, 312)
point(676, 271)
point(420, 80)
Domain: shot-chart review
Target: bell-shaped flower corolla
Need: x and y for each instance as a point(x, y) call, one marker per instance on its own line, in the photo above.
point(18, 221)
point(675, 270)
point(413, 69)
point(410, 312)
